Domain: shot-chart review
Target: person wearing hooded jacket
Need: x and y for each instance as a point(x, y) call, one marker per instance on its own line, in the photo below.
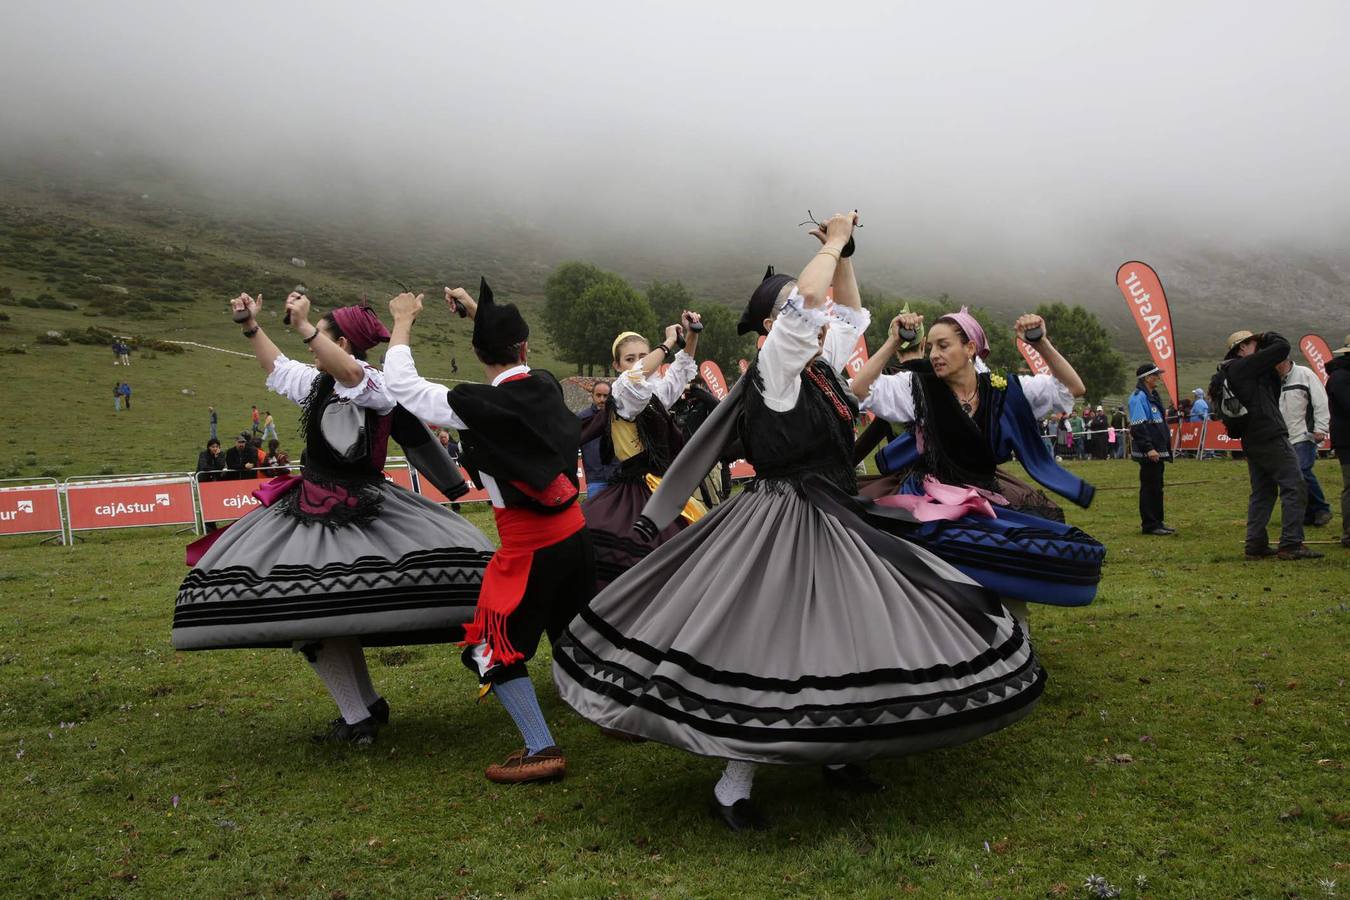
point(1338, 401)
point(1151, 447)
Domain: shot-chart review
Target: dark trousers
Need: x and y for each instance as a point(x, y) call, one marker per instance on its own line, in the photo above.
point(1345, 495)
point(1306, 451)
point(1150, 493)
point(561, 582)
point(1273, 469)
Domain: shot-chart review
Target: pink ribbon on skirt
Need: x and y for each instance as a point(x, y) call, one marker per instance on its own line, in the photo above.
point(267, 494)
point(941, 501)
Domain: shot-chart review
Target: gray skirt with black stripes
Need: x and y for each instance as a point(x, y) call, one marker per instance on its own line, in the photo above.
point(785, 627)
point(410, 575)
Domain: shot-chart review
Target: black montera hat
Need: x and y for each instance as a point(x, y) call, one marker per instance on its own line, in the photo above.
point(496, 327)
point(761, 302)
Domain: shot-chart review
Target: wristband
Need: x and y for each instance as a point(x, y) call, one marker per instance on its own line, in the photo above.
point(248, 333)
point(665, 348)
point(311, 337)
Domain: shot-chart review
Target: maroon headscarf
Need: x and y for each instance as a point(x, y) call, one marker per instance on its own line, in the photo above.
point(360, 326)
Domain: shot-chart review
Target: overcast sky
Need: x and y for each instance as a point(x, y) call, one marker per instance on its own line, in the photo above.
point(959, 129)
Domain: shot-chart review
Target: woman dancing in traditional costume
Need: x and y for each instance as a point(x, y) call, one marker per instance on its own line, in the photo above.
point(966, 421)
point(338, 558)
point(785, 627)
point(637, 431)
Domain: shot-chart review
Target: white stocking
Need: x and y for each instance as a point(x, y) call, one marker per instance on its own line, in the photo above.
point(735, 784)
point(333, 664)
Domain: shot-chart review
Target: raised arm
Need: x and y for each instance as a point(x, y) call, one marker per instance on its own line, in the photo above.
point(264, 350)
point(426, 400)
point(345, 368)
point(861, 385)
point(815, 280)
point(1059, 366)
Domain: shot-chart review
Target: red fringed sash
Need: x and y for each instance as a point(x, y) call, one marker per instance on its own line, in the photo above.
point(521, 532)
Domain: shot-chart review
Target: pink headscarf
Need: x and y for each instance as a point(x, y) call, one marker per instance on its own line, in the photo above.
point(360, 325)
point(972, 329)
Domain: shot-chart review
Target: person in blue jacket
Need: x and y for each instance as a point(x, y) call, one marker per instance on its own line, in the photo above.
point(1151, 447)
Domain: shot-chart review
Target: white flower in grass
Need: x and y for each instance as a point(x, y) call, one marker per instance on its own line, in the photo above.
point(1097, 886)
point(1328, 886)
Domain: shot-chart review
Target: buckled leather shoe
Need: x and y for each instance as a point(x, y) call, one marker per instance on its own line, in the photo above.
point(380, 711)
point(548, 764)
point(360, 734)
point(1266, 552)
point(742, 815)
point(1299, 552)
point(852, 777)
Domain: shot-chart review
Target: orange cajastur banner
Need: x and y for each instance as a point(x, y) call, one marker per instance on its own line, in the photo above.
point(1143, 292)
point(1318, 353)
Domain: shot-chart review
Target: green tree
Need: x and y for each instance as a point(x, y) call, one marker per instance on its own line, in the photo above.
point(720, 343)
point(1084, 342)
point(668, 299)
point(604, 310)
point(562, 292)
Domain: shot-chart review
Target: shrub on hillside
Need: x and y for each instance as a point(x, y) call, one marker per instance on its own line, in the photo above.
point(92, 336)
point(55, 338)
point(16, 350)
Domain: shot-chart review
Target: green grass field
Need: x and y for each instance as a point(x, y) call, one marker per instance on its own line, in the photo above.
point(1192, 742)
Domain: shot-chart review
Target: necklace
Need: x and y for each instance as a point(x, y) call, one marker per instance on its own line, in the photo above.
point(967, 403)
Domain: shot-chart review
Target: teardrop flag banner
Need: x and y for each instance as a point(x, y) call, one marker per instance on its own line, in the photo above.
point(857, 359)
point(1318, 353)
point(1143, 292)
point(711, 373)
point(1033, 357)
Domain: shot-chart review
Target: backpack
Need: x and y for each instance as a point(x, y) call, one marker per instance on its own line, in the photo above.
point(1226, 406)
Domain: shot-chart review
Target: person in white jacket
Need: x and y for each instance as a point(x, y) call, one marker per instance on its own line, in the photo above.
point(1303, 402)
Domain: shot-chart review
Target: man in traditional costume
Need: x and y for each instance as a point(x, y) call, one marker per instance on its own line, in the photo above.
point(520, 444)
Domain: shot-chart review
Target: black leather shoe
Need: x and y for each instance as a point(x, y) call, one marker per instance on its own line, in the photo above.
point(1161, 531)
point(379, 711)
point(742, 815)
point(1266, 552)
point(362, 734)
point(852, 777)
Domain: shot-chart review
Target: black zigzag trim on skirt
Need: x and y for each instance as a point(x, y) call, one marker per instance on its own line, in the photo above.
point(1012, 562)
point(388, 600)
point(584, 658)
point(812, 733)
point(703, 671)
point(453, 558)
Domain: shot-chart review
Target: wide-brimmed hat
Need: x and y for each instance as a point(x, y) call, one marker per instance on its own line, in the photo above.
point(1342, 351)
point(1237, 339)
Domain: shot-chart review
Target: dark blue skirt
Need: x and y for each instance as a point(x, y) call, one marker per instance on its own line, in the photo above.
point(1016, 554)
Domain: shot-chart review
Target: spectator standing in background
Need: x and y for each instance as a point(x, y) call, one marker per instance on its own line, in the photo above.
point(1151, 447)
point(1246, 389)
point(1100, 440)
point(116, 348)
point(1303, 403)
point(126, 393)
point(1077, 435)
point(269, 426)
point(451, 447)
point(256, 422)
point(1121, 423)
point(1199, 408)
point(1063, 437)
point(1338, 402)
point(598, 473)
point(124, 355)
point(212, 410)
point(117, 397)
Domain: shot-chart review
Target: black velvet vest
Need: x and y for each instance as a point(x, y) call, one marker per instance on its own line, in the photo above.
point(520, 430)
point(811, 438)
point(957, 448)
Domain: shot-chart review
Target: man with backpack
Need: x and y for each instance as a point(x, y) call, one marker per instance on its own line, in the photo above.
point(1338, 397)
point(1246, 396)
